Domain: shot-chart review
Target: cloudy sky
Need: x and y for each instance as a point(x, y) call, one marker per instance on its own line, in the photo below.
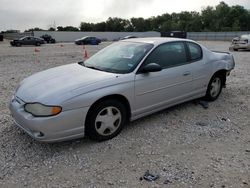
point(25, 14)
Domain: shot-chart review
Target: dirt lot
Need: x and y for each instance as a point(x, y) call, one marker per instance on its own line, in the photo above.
point(186, 145)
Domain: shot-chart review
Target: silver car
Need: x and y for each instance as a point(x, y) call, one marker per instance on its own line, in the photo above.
point(241, 43)
point(123, 82)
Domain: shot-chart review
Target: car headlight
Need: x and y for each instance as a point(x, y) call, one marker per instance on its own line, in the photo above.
point(40, 110)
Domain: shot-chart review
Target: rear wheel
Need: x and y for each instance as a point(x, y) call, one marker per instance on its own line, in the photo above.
point(105, 120)
point(38, 44)
point(214, 87)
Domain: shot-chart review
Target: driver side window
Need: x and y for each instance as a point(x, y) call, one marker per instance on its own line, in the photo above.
point(168, 55)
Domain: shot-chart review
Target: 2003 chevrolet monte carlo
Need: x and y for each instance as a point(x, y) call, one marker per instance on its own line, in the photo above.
point(123, 82)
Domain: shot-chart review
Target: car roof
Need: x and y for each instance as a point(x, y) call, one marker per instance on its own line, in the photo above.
point(26, 37)
point(156, 40)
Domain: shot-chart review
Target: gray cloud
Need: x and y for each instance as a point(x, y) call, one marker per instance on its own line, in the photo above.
point(25, 14)
point(124, 8)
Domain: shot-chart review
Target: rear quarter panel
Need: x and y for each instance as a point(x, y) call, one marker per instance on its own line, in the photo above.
point(218, 61)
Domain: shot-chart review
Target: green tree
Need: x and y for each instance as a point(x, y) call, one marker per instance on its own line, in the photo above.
point(99, 26)
point(115, 24)
point(222, 12)
point(219, 18)
point(140, 24)
point(67, 28)
point(51, 29)
point(86, 26)
point(34, 29)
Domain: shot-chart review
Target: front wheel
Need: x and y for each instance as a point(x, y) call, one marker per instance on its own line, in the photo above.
point(18, 44)
point(105, 120)
point(214, 87)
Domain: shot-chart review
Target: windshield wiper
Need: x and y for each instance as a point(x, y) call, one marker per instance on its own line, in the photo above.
point(81, 63)
point(93, 67)
point(96, 68)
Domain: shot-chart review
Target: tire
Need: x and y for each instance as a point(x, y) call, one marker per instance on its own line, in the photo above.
point(38, 44)
point(105, 120)
point(214, 87)
point(18, 44)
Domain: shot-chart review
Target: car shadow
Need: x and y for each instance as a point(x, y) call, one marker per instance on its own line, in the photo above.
point(174, 109)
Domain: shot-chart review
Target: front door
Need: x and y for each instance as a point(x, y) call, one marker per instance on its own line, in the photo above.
point(26, 40)
point(172, 84)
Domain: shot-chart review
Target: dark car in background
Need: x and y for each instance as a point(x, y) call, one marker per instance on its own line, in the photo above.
point(48, 38)
point(1, 37)
point(88, 40)
point(28, 40)
point(174, 34)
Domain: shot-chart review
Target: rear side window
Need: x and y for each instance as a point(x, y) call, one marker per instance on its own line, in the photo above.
point(168, 55)
point(195, 51)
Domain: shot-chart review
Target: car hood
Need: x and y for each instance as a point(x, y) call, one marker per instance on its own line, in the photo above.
point(77, 40)
point(55, 85)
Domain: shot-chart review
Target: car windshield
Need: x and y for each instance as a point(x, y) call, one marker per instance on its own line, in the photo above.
point(22, 38)
point(120, 57)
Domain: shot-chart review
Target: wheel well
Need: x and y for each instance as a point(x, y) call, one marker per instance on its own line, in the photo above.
point(118, 97)
point(222, 73)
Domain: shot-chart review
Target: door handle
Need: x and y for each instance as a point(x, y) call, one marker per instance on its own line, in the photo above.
point(186, 73)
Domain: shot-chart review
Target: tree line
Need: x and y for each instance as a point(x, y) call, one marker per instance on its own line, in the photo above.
point(219, 18)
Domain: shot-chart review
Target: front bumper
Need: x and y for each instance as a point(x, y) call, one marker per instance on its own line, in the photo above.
point(65, 126)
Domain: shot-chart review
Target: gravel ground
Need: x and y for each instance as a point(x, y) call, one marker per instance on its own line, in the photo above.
point(186, 145)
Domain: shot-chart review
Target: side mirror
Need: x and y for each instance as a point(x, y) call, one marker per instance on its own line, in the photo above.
point(151, 67)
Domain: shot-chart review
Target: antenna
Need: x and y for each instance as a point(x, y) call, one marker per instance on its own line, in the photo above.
point(54, 25)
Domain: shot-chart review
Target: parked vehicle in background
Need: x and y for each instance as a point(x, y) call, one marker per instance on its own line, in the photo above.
point(128, 37)
point(48, 38)
point(28, 40)
point(240, 43)
point(123, 82)
point(88, 40)
point(1, 37)
point(174, 34)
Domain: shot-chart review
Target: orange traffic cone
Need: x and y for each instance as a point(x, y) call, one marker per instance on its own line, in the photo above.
point(36, 50)
point(85, 53)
